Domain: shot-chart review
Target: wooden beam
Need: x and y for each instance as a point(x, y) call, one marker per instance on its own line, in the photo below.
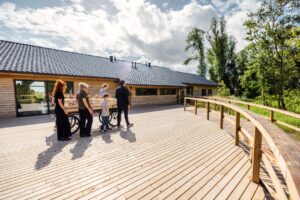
point(256, 156)
point(221, 117)
point(237, 128)
point(207, 113)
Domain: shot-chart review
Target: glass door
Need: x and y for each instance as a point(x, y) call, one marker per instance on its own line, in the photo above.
point(31, 97)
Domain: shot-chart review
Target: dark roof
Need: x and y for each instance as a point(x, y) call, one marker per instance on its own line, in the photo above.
point(24, 58)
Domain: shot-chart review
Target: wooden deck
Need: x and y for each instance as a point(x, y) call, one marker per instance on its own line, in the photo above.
point(168, 154)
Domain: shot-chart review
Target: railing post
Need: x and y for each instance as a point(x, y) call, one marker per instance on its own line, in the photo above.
point(207, 115)
point(272, 116)
point(195, 107)
point(184, 108)
point(215, 106)
point(221, 117)
point(248, 107)
point(237, 128)
point(256, 156)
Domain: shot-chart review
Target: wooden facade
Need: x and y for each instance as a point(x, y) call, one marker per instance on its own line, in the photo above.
point(8, 107)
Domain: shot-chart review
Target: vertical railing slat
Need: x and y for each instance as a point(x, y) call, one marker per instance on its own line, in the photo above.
point(271, 116)
point(195, 107)
point(207, 114)
point(256, 156)
point(237, 128)
point(221, 117)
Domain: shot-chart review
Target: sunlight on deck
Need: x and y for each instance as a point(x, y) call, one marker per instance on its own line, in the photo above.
point(168, 154)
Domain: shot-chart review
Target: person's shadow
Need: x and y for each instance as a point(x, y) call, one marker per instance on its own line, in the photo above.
point(55, 147)
point(81, 146)
point(107, 138)
point(127, 134)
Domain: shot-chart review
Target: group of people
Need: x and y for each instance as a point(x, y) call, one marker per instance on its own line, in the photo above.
point(85, 110)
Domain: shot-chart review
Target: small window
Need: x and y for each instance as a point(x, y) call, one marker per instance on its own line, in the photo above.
point(203, 92)
point(145, 91)
point(209, 92)
point(167, 91)
point(189, 91)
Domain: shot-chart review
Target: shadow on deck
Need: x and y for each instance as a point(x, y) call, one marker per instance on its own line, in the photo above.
point(168, 154)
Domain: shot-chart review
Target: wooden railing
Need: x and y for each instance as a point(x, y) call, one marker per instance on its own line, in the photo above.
point(271, 110)
point(286, 153)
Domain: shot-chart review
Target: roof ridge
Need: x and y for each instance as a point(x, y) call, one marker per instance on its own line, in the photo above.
point(53, 49)
point(85, 54)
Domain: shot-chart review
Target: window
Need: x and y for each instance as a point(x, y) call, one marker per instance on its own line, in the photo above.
point(203, 92)
point(145, 91)
point(209, 92)
point(34, 97)
point(189, 91)
point(167, 91)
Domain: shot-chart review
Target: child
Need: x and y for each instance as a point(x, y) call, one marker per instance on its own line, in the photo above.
point(103, 90)
point(105, 114)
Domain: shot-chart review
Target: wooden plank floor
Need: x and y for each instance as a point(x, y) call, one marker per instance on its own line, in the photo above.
point(168, 154)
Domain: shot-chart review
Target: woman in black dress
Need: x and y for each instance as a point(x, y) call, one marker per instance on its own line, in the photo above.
point(62, 122)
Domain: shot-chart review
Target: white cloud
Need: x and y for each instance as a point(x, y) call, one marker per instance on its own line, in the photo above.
point(125, 28)
point(236, 20)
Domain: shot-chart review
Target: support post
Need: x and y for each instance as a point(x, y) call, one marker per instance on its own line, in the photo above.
point(221, 117)
point(184, 108)
point(195, 107)
point(207, 115)
point(237, 128)
point(256, 156)
point(272, 116)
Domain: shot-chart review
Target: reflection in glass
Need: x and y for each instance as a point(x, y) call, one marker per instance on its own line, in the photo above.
point(34, 97)
point(31, 98)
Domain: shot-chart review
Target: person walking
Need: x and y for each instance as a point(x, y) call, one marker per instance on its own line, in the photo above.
point(105, 114)
point(122, 95)
point(85, 111)
point(62, 122)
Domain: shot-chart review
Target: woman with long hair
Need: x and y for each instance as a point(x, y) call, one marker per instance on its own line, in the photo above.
point(62, 122)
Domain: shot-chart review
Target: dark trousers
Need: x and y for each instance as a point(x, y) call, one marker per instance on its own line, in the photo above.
point(105, 121)
point(62, 125)
point(120, 110)
point(86, 121)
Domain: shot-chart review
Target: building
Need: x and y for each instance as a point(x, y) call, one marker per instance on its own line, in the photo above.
point(28, 73)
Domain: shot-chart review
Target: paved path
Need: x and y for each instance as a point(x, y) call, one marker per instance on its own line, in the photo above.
point(168, 154)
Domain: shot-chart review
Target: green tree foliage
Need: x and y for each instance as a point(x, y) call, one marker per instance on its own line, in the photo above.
point(195, 41)
point(273, 50)
point(223, 91)
point(221, 55)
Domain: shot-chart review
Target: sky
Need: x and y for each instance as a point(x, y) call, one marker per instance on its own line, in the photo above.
point(136, 30)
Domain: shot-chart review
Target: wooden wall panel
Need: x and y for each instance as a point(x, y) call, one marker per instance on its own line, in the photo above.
point(7, 98)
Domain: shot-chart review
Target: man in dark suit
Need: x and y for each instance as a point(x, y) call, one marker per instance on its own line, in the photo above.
point(122, 95)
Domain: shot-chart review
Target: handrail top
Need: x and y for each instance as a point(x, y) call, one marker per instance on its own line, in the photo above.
point(285, 149)
point(292, 114)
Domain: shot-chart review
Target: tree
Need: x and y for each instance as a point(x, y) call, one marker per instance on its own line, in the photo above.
point(269, 31)
point(241, 62)
point(220, 55)
point(195, 42)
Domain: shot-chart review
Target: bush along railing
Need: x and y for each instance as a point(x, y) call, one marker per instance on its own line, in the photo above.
point(271, 111)
point(286, 151)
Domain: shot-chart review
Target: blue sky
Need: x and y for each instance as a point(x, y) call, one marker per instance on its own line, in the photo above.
point(140, 30)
